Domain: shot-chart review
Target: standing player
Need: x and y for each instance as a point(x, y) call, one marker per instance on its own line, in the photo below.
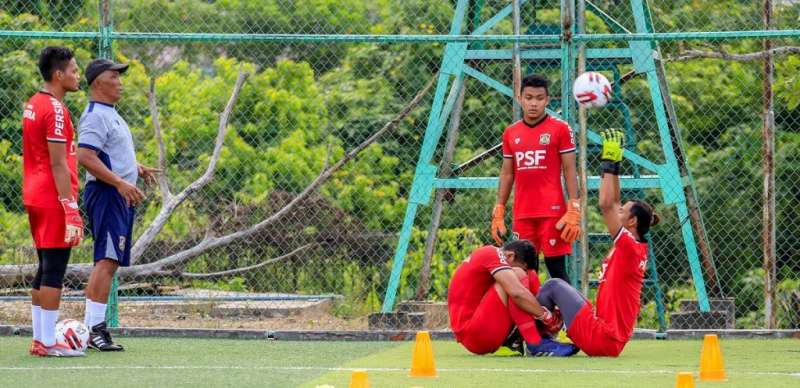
point(491, 292)
point(50, 192)
point(106, 150)
point(603, 330)
point(535, 151)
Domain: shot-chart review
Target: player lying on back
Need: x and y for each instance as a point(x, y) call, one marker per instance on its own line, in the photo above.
point(492, 291)
point(605, 328)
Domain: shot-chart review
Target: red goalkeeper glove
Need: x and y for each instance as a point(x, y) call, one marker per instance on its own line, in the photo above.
point(551, 321)
point(72, 218)
point(570, 223)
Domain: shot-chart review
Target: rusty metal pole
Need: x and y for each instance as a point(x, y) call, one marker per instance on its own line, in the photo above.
point(768, 132)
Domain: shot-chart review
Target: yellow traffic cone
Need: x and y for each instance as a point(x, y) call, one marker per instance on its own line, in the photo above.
point(422, 364)
point(711, 368)
point(684, 380)
point(359, 379)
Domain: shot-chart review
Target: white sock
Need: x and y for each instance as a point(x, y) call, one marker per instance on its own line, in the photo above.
point(95, 313)
point(36, 322)
point(48, 327)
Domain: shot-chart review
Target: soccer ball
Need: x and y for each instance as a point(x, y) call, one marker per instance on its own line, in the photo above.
point(73, 333)
point(591, 90)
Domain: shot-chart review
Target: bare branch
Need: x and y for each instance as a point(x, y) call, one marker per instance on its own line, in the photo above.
point(162, 178)
point(236, 271)
point(747, 57)
point(209, 242)
point(171, 266)
point(169, 207)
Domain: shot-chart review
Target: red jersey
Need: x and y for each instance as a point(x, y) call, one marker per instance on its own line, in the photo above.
point(45, 120)
point(620, 285)
point(472, 279)
point(536, 152)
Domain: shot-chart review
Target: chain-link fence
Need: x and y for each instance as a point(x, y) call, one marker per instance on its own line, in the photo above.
point(325, 75)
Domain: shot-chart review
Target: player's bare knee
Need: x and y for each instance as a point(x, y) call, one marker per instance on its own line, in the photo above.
point(107, 267)
point(521, 273)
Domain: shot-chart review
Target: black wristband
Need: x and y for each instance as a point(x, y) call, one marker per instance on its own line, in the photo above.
point(609, 167)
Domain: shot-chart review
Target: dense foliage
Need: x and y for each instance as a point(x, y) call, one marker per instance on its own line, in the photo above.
point(307, 103)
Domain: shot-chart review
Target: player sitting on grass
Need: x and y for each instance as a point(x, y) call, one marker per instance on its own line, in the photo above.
point(492, 291)
point(604, 329)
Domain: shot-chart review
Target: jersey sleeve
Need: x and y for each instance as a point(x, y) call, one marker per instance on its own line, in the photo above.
point(92, 132)
point(566, 140)
point(55, 123)
point(494, 262)
point(507, 154)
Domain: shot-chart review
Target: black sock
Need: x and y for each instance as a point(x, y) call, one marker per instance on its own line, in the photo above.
point(557, 267)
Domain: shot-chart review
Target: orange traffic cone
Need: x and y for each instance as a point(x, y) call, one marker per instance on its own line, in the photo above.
point(684, 380)
point(711, 368)
point(359, 379)
point(422, 364)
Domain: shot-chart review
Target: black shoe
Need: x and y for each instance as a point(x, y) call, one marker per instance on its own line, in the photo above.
point(515, 342)
point(100, 339)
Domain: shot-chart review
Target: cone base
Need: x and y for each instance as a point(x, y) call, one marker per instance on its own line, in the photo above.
point(422, 373)
point(713, 376)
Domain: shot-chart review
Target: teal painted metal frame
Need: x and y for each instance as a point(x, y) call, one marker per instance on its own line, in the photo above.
point(640, 52)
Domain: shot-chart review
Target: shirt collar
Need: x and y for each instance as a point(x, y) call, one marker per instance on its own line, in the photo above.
point(537, 123)
point(102, 103)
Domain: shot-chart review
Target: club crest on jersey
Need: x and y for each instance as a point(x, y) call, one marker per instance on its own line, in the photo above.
point(552, 242)
point(516, 140)
point(544, 139)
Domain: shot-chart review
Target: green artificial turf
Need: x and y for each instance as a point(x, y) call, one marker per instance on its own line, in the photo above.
point(151, 362)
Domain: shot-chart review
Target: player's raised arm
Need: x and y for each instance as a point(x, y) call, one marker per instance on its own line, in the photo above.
point(613, 140)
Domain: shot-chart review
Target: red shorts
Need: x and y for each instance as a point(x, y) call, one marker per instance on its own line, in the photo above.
point(47, 227)
point(592, 334)
point(543, 234)
point(489, 326)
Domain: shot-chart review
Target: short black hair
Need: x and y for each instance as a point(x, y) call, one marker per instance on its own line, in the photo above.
point(535, 81)
point(645, 218)
point(525, 251)
point(53, 58)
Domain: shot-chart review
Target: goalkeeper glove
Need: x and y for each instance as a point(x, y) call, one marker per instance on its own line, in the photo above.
point(551, 321)
point(613, 142)
point(570, 223)
point(72, 218)
point(498, 223)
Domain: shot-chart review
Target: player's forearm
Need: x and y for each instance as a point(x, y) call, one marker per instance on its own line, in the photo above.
point(62, 179)
point(609, 192)
point(571, 181)
point(504, 188)
point(528, 303)
point(89, 160)
point(568, 161)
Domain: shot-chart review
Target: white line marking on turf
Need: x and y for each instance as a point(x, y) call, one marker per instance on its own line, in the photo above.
point(350, 369)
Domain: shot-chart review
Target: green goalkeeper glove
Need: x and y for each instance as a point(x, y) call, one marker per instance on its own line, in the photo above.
point(613, 142)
